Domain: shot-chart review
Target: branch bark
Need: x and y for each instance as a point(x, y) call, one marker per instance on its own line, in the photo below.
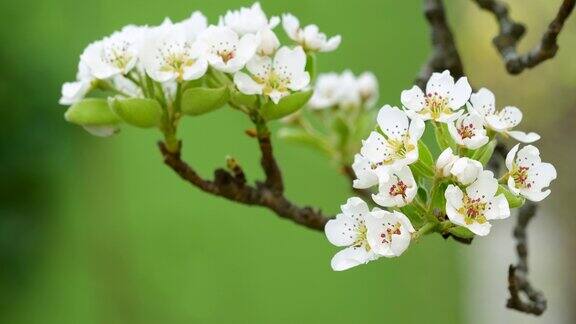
point(518, 284)
point(444, 54)
point(511, 33)
point(234, 188)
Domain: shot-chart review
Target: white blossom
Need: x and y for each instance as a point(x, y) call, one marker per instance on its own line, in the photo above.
point(225, 50)
point(171, 52)
point(468, 131)
point(477, 205)
point(368, 88)
point(349, 230)
point(398, 191)
point(484, 103)
point(269, 42)
point(309, 37)
point(73, 92)
point(326, 91)
point(466, 170)
point(276, 77)
point(389, 233)
point(445, 162)
point(528, 175)
point(395, 148)
point(116, 54)
point(248, 20)
point(442, 100)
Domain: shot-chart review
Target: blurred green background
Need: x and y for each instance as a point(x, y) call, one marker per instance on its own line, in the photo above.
point(99, 231)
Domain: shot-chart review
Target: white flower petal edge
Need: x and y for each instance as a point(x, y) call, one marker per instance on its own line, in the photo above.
point(483, 103)
point(309, 37)
point(442, 100)
point(398, 191)
point(475, 207)
point(528, 175)
point(275, 78)
point(389, 233)
point(248, 20)
point(349, 230)
point(73, 92)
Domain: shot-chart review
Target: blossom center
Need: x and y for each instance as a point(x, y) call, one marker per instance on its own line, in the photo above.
point(390, 230)
point(361, 239)
point(117, 54)
point(399, 147)
point(520, 176)
point(226, 55)
point(175, 61)
point(436, 105)
point(473, 210)
point(272, 82)
point(466, 131)
point(398, 189)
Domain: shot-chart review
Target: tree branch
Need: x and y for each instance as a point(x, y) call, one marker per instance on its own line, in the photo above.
point(444, 52)
point(518, 283)
point(512, 32)
point(234, 187)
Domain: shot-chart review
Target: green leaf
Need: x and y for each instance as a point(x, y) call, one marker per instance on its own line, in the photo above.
point(422, 194)
point(139, 112)
point(91, 112)
point(461, 232)
point(341, 128)
point(412, 213)
point(299, 136)
point(425, 156)
point(513, 200)
point(421, 171)
point(443, 137)
point(244, 100)
point(286, 105)
point(198, 101)
point(438, 198)
point(484, 153)
point(311, 65)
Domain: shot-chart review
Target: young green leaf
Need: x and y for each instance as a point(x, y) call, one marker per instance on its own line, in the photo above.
point(513, 200)
point(139, 112)
point(311, 65)
point(299, 136)
point(91, 112)
point(484, 153)
point(462, 232)
point(285, 106)
point(198, 101)
point(239, 99)
point(424, 155)
point(443, 137)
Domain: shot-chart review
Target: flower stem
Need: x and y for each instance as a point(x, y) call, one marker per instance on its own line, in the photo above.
point(425, 229)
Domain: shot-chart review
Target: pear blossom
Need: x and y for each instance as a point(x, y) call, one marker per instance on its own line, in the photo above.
point(225, 50)
point(192, 26)
point(116, 54)
point(477, 205)
point(468, 131)
point(466, 170)
point(398, 191)
point(249, 20)
point(326, 91)
point(528, 175)
point(442, 100)
point(349, 230)
point(445, 162)
point(73, 92)
point(349, 93)
point(397, 147)
point(389, 233)
point(275, 77)
point(484, 103)
point(269, 42)
point(368, 88)
point(172, 54)
point(309, 37)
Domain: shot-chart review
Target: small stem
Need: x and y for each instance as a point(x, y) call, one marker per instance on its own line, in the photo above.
point(425, 229)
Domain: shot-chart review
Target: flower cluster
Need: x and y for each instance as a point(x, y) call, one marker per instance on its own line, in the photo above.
point(241, 53)
point(452, 194)
point(344, 91)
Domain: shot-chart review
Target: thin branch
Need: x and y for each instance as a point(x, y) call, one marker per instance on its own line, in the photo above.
point(274, 179)
point(512, 32)
point(444, 54)
point(518, 284)
point(234, 187)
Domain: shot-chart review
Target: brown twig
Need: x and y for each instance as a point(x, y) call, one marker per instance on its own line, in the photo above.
point(518, 283)
point(444, 54)
point(226, 185)
point(512, 32)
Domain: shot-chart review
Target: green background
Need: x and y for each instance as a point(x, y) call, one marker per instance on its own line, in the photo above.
point(99, 231)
